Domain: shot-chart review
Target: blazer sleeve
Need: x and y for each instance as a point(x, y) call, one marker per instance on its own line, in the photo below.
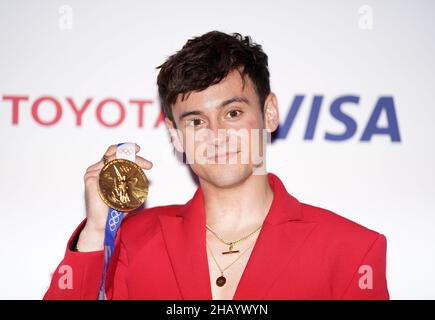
point(369, 279)
point(78, 275)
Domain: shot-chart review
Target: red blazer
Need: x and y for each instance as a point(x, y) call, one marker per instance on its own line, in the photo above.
point(302, 252)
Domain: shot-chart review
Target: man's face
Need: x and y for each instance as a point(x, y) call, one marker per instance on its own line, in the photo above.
point(221, 130)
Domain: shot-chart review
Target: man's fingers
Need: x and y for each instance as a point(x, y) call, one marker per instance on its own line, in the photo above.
point(96, 166)
point(144, 163)
point(91, 175)
point(111, 150)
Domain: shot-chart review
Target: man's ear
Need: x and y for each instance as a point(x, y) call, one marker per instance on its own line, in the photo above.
point(176, 136)
point(271, 114)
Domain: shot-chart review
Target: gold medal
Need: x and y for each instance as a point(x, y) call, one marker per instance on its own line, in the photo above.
point(122, 185)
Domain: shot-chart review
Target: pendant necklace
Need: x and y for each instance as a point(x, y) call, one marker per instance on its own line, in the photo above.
point(221, 280)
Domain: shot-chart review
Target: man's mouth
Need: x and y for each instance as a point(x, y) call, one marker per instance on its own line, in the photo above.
point(223, 156)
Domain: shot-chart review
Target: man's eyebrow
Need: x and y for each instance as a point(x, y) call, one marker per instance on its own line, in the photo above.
point(221, 105)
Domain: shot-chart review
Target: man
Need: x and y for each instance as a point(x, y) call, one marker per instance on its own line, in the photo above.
point(241, 236)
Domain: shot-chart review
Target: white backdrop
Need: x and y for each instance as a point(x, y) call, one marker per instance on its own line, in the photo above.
point(52, 51)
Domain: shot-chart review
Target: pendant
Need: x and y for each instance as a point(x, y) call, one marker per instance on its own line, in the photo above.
point(220, 282)
point(231, 250)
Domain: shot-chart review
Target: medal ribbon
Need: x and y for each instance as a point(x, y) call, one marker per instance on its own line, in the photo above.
point(113, 221)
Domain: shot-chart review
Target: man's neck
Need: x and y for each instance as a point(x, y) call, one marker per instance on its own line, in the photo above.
point(240, 208)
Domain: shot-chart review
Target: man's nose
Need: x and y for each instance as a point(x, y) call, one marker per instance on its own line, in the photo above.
point(218, 133)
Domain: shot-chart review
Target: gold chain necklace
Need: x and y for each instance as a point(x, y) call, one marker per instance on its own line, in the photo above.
point(232, 243)
point(221, 280)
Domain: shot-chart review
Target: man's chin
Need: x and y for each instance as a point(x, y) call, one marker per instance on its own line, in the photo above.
point(225, 176)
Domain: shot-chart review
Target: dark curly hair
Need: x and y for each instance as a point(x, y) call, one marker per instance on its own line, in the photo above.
point(205, 60)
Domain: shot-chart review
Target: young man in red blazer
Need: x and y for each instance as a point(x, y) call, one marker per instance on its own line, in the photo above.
point(242, 235)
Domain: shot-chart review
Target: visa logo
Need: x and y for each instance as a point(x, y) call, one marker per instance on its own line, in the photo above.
point(384, 105)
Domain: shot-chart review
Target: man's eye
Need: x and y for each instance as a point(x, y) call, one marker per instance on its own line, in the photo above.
point(234, 113)
point(194, 122)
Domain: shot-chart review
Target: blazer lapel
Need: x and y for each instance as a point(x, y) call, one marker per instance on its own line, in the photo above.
point(283, 233)
point(272, 253)
point(184, 235)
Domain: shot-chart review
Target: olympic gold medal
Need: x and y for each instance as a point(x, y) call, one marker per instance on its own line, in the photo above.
point(123, 185)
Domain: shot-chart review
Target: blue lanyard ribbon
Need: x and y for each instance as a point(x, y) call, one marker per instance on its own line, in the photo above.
point(114, 219)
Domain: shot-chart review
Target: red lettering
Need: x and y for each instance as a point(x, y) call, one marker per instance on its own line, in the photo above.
point(160, 119)
point(15, 106)
point(35, 109)
point(49, 117)
point(100, 109)
point(141, 104)
point(79, 111)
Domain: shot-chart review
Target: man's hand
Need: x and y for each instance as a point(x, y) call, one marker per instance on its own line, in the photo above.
point(92, 236)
